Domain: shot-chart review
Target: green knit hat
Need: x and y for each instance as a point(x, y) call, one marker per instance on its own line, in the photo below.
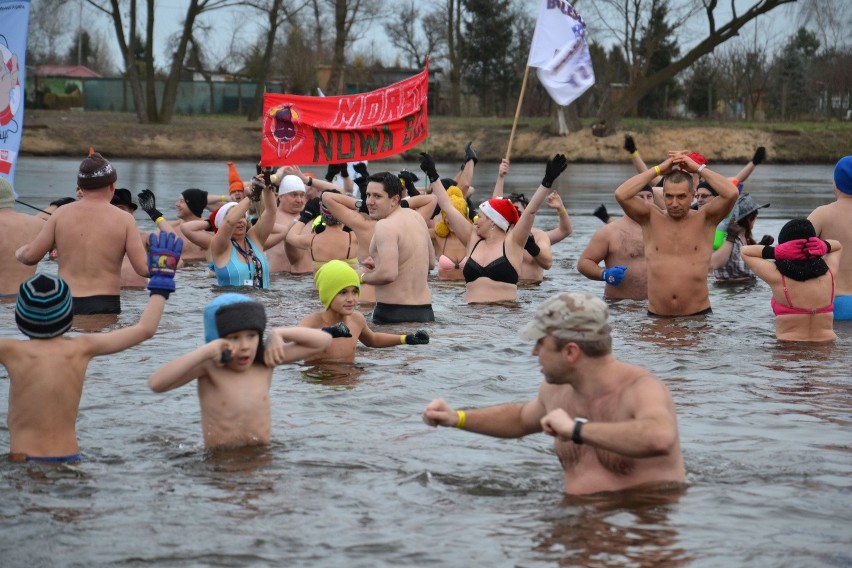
point(332, 277)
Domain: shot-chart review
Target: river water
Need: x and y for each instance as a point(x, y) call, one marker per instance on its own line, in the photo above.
point(354, 478)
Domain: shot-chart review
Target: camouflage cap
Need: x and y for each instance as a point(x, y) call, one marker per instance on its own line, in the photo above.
point(570, 315)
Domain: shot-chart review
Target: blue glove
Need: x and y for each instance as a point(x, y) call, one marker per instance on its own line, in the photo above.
point(163, 257)
point(614, 275)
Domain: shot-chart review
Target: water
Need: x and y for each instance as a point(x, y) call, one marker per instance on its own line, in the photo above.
point(354, 478)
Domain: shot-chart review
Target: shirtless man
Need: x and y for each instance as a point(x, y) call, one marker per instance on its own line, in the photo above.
point(679, 240)
point(91, 238)
point(832, 222)
point(284, 257)
point(18, 229)
point(619, 245)
point(401, 255)
point(614, 424)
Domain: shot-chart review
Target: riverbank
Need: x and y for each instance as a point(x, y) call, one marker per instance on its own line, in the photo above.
point(118, 135)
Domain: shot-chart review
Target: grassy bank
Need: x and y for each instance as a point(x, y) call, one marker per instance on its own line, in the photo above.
point(118, 135)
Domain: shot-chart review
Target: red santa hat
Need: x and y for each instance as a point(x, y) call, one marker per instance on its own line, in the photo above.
point(500, 211)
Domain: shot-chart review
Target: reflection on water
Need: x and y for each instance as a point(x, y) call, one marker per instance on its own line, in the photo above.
point(354, 478)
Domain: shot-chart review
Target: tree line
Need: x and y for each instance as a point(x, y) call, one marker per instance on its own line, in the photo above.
point(652, 58)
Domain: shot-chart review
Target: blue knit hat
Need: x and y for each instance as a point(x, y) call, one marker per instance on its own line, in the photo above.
point(44, 307)
point(843, 175)
point(232, 312)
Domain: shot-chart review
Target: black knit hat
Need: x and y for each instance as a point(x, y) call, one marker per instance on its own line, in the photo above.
point(44, 309)
point(95, 172)
point(196, 200)
point(800, 270)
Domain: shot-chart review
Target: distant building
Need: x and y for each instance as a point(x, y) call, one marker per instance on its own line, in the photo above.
point(57, 86)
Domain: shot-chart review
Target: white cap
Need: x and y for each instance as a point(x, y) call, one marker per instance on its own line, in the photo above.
point(291, 183)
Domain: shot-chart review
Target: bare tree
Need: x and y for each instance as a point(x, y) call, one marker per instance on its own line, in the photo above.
point(48, 30)
point(630, 14)
point(831, 18)
point(416, 36)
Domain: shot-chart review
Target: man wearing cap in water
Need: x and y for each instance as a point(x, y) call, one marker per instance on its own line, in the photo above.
point(614, 424)
point(18, 229)
point(91, 238)
point(678, 240)
point(832, 222)
point(46, 372)
point(282, 256)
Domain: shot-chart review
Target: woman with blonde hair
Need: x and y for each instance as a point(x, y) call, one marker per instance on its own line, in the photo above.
point(800, 271)
point(451, 251)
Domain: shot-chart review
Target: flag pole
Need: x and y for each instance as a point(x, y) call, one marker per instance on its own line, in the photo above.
point(518, 111)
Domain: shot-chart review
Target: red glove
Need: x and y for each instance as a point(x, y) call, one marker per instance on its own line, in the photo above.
point(817, 247)
point(792, 250)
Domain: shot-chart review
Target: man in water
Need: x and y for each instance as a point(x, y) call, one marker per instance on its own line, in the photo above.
point(832, 222)
point(619, 245)
point(678, 240)
point(614, 423)
point(18, 229)
point(91, 237)
point(401, 255)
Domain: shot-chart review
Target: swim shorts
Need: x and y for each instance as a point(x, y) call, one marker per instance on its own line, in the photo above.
point(701, 313)
point(45, 459)
point(843, 307)
point(90, 305)
point(398, 313)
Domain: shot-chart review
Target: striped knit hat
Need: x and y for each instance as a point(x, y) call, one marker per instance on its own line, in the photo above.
point(43, 309)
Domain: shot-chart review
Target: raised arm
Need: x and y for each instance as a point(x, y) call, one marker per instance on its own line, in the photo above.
point(502, 171)
point(554, 201)
point(756, 160)
point(555, 166)
point(192, 365)
point(197, 232)
point(724, 202)
point(343, 208)
point(459, 224)
point(221, 242)
point(263, 228)
point(638, 209)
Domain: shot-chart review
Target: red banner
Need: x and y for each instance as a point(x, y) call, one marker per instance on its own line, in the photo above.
point(329, 130)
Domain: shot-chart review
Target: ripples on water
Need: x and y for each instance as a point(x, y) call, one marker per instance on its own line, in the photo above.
point(353, 477)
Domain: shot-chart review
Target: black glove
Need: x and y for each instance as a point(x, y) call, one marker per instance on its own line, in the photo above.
point(311, 211)
point(531, 247)
point(629, 144)
point(732, 232)
point(409, 180)
point(419, 337)
point(767, 240)
point(333, 170)
point(257, 186)
point(427, 164)
point(63, 201)
point(148, 203)
point(361, 169)
point(469, 154)
point(338, 330)
point(555, 166)
point(344, 170)
point(759, 156)
point(601, 213)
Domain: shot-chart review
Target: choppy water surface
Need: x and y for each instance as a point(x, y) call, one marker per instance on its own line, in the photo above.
point(354, 478)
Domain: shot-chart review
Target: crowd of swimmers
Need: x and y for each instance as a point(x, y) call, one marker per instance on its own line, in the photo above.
point(371, 241)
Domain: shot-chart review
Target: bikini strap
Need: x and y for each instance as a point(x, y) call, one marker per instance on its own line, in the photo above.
point(311, 248)
point(348, 247)
point(786, 292)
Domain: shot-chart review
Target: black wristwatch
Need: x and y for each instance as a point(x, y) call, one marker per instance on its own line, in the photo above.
point(578, 426)
point(359, 203)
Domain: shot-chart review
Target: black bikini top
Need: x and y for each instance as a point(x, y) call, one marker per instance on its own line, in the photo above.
point(499, 269)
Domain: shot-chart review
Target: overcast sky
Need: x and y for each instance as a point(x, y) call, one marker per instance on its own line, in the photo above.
point(772, 29)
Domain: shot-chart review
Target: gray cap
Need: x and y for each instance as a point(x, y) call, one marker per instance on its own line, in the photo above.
point(571, 316)
point(745, 206)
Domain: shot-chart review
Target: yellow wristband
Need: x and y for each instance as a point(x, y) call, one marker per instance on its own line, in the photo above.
point(657, 170)
point(402, 339)
point(158, 219)
point(561, 210)
point(462, 419)
point(223, 199)
point(634, 153)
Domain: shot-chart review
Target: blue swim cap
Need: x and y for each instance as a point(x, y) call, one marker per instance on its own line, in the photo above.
point(232, 312)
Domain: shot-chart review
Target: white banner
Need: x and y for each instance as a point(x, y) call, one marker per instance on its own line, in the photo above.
point(560, 53)
point(14, 17)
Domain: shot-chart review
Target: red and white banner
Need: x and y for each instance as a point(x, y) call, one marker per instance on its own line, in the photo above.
point(353, 128)
point(560, 53)
point(14, 18)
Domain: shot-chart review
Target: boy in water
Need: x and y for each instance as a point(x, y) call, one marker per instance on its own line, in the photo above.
point(46, 373)
point(338, 285)
point(234, 369)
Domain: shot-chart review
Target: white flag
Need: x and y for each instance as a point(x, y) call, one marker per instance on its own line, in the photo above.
point(560, 53)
